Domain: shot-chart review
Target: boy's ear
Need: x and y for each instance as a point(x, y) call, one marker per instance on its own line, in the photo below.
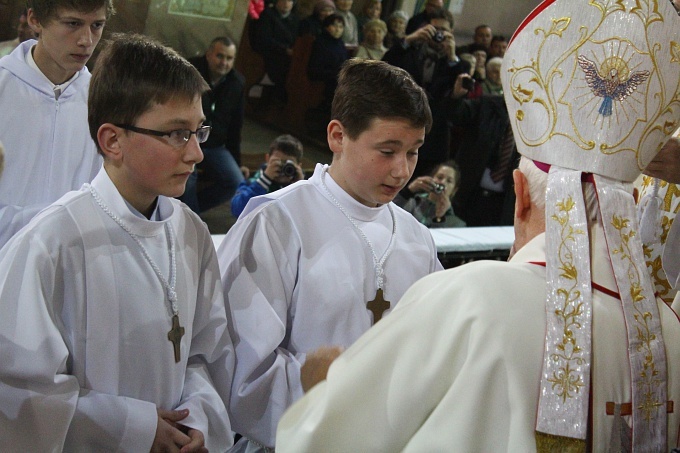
point(33, 21)
point(336, 134)
point(108, 137)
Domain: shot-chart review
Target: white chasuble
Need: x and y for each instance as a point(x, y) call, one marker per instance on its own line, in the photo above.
point(457, 366)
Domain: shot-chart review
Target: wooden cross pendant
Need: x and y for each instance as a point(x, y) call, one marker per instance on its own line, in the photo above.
point(378, 305)
point(175, 336)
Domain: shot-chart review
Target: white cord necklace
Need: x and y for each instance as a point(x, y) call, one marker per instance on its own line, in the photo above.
point(175, 334)
point(378, 305)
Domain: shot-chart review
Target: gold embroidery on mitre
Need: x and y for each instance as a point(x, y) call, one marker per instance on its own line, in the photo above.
point(604, 80)
point(649, 375)
point(567, 381)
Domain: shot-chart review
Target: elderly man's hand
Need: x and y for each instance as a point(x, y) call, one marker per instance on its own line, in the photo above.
point(666, 164)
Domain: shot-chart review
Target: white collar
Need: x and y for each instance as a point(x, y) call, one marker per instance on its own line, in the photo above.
point(58, 89)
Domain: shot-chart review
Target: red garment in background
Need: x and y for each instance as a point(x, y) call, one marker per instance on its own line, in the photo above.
point(255, 8)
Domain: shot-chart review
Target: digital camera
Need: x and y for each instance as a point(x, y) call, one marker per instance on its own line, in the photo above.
point(288, 169)
point(468, 83)
point(438, 36)
point(438, 188)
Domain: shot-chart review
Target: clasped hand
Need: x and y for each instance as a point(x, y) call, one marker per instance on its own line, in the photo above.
point(171, 436)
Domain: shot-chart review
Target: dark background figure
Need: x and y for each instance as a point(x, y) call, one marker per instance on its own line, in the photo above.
point(223, 107)
point(275, 33)
point(396, 27)
point(371, 11)
point(423, 17)
point(24, 32)
point(482, 37)
point(497, 47)
point(328, 55)
point(351, 33)
point(312, 25)
point(429, 55)
point(487, 155)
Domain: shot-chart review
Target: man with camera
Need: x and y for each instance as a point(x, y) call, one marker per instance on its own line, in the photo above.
point(282, 168)
point(429, 55)
point(486, 154)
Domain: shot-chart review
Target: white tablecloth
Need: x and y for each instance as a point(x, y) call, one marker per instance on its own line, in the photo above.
point(451, 240)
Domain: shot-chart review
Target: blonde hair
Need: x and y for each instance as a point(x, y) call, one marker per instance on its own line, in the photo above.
point(375, 23)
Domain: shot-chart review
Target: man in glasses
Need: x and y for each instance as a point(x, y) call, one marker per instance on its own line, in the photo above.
point(43, 97)
point(114, 327)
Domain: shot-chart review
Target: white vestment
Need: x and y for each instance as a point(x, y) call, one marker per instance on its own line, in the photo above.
point(48, 148)
point(85, 359)
point(457, 366)
point(297, 275)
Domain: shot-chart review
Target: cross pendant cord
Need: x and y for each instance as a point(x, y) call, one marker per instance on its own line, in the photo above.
point(168, 284)
point(377, 263)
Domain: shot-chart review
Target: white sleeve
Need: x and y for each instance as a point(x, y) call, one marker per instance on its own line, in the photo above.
point(210, 367)
point(258, 260)
point(13, 218)
point(37, 393)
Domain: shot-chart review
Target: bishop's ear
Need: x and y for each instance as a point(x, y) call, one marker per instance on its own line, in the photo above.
point(108, 138)
point(522, 194)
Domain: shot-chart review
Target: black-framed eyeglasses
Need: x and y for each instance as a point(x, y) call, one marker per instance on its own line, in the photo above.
point(177, 138)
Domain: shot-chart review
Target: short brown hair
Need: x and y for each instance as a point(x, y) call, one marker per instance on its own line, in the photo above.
point(46, 10)
point(133, 73)
point(370, 89)
point(288, 145)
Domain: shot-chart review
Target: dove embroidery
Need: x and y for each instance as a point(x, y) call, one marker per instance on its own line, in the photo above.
point(610, 86)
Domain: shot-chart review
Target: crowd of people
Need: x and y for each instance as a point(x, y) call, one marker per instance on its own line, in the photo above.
point(324, 320)
point(423, 45)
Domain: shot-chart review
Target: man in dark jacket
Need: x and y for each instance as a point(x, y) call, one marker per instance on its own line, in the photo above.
point(487, 155)
point(223, 107)
point(429, 55)
point(275, 33)
point(423, 17)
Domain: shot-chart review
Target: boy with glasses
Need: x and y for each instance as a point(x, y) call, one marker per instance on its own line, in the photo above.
point(43, 97)
point(113, 328)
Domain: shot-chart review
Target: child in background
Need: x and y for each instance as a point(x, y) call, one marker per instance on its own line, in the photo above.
point(327, 56)
point(282, 168)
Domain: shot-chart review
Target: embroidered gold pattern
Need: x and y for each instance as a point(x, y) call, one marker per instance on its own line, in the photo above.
point(533, 85)
point(670, 194)
point(649, 374)
point(566, 381)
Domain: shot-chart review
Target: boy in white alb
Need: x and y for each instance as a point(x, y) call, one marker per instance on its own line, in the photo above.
point(320, 261)
point(113, 327)
point(43, 97)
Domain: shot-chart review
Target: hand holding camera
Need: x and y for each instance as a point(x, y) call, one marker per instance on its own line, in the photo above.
point(426, 184)
point(468, 83)
point(282, 170)
point(463, 85)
